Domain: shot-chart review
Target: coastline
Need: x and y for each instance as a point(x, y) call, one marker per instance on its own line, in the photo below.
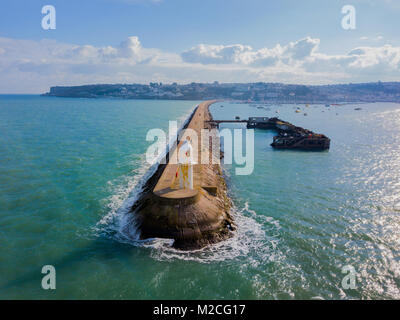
point(259, 92)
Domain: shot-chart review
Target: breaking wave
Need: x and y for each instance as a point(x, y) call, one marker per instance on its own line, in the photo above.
point(119, 223)
point(250, 236)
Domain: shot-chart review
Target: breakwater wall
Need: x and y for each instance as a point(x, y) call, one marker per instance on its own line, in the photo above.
point(194, 217)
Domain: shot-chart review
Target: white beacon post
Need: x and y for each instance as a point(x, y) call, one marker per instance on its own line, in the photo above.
point(185, 165)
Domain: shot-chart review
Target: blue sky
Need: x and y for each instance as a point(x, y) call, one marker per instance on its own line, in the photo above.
point(169, 34)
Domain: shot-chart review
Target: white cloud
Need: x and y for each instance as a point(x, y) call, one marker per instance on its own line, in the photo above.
point(303, 60)
point(386, 58)
point(34, 66)
point(212, 54)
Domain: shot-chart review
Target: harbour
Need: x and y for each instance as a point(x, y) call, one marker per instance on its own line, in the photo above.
point(183, 155)
point(300, 217)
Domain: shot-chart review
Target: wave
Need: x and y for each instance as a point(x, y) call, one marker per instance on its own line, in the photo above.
point(119, 223)
point(248, 237)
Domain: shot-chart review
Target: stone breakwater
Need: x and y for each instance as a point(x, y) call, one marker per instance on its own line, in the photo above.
point(193, 218)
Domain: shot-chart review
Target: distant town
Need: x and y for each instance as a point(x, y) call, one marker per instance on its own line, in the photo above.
point(260, 92)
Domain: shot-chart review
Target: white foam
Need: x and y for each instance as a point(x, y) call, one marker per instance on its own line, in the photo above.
point(249, 236)
point(119, 222)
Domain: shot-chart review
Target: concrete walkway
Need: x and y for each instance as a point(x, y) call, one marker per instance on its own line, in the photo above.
point(168, 184)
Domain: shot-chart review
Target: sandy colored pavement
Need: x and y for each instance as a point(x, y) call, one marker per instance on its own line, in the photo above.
point(168, 184)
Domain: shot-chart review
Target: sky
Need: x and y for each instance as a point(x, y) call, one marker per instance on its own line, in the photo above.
point(141, 41)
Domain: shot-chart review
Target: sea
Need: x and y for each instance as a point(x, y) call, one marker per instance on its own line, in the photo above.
point(310, 225)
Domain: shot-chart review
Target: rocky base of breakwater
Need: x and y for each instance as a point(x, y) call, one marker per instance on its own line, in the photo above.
point(193, 223)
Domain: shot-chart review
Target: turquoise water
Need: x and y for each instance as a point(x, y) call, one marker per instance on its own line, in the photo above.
point(70, 168)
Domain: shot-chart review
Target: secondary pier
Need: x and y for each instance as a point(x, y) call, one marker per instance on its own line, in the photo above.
point(193, 218)
point(289, 136)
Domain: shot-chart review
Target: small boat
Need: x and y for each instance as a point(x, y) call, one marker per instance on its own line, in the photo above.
point(237, 118)
point(358, 109)
point(297, 111)
point(327, 105)
point(305, 113)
